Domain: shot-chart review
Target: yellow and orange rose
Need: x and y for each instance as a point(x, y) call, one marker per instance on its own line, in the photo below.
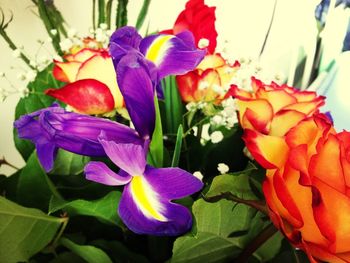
point(309, 195)
point(209, 82)
point(91, 82)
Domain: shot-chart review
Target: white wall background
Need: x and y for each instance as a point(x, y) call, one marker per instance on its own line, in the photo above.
point(241, 24)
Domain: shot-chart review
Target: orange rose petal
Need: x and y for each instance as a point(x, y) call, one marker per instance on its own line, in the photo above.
point(269, 151)
point(326, 164)
point(316, 253)
point(226, 73)
point(344, 137)
point(277, 98)
point(238, 93)
point(187, 85)
point(211, 61)
point(307, 108)
point(304, 96)
point(87, 96)
point(256, 84)
point(208, 80)
point(332, 214)
point(259, 116)
point(66, 71)
point(100, 67)
point(85, 54)
point(284, 120)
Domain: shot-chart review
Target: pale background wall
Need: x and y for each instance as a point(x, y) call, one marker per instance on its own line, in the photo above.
point(241, 24)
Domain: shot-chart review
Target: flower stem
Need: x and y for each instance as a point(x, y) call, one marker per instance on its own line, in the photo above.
point(260, 239)
point(14, 47)
point(259, 205)
point(3, 161)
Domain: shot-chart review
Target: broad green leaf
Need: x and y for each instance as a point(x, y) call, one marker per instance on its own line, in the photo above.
point(89, 253)
point(104, 209)
point(237, 185)
point(34, 186)
point(177, 151)
point(173, 105)
point(155, 155)
point(270, 248)
point(221, 218)
point(67, 257)
point(101, 12)
point(24, 231)
point(67, 163)
point(205, 247)
point(142, 14)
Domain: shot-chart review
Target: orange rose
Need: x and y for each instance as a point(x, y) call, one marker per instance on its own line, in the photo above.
point(208, 82)
point(309, 196)
point(92, 86)
point(268, 113)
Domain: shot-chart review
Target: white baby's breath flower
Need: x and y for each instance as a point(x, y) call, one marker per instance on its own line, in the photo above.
point(217, 120)
point(203, 43)
point(16, 53)
point(72, 32)
point(66, 44)
point(216, 137)
point(2, 74)
point(198, 175)
point(31, 74)
point(21, 76)
point(57, 58)
point(53, 32)
point(103, 26)
point(223, 168)
point(23, 92)
point(191, 106)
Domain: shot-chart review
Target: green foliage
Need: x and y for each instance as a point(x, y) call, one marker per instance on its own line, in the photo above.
point(156, 152)
point(142, 15)
point(122, 14)
point(24, 231)
point(89, 253)
point(67, 163)
point(34, 187)
point(104, 209)
point(177, 151)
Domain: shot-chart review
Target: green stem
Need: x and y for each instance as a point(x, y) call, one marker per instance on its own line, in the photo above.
point(101, 12)
point(259, 205)
point(122, 19)
point(260, 239)
point(142, 14)
point(109, 13)
point(49, 25)
point(94, 14)
point(4, 162)
point(14, 47)
point(60, 232)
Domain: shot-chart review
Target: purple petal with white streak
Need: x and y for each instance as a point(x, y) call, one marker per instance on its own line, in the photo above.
point(99, 172)
point(178, 218)
point(174, 57)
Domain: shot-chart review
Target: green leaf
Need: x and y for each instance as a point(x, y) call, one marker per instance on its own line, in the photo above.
point(177, 151)
point(34, 186)
point(67, 163)
point(221, 218)
point(122, 13)
point(104, 209)
point(24, 231)
point(173, 105)
point(89, 253)
point(155, 155)
point(237, 185)
point(142, 14)
point(67, 257)
point(205, 247)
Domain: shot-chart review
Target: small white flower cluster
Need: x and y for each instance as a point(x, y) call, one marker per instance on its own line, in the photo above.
point(193, 106)
point(227, 117)
point(100, 34)
point(252, 68)
point(22, 90)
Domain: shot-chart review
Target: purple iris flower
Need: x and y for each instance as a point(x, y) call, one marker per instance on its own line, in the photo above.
point(168, 54)
point(145, 206)
point(53, 127)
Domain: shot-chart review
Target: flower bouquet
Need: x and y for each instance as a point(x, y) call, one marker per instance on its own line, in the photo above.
point(157, 148)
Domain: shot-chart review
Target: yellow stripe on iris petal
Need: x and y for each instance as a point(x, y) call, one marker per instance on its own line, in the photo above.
point(157, 48)
point(144, 198)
